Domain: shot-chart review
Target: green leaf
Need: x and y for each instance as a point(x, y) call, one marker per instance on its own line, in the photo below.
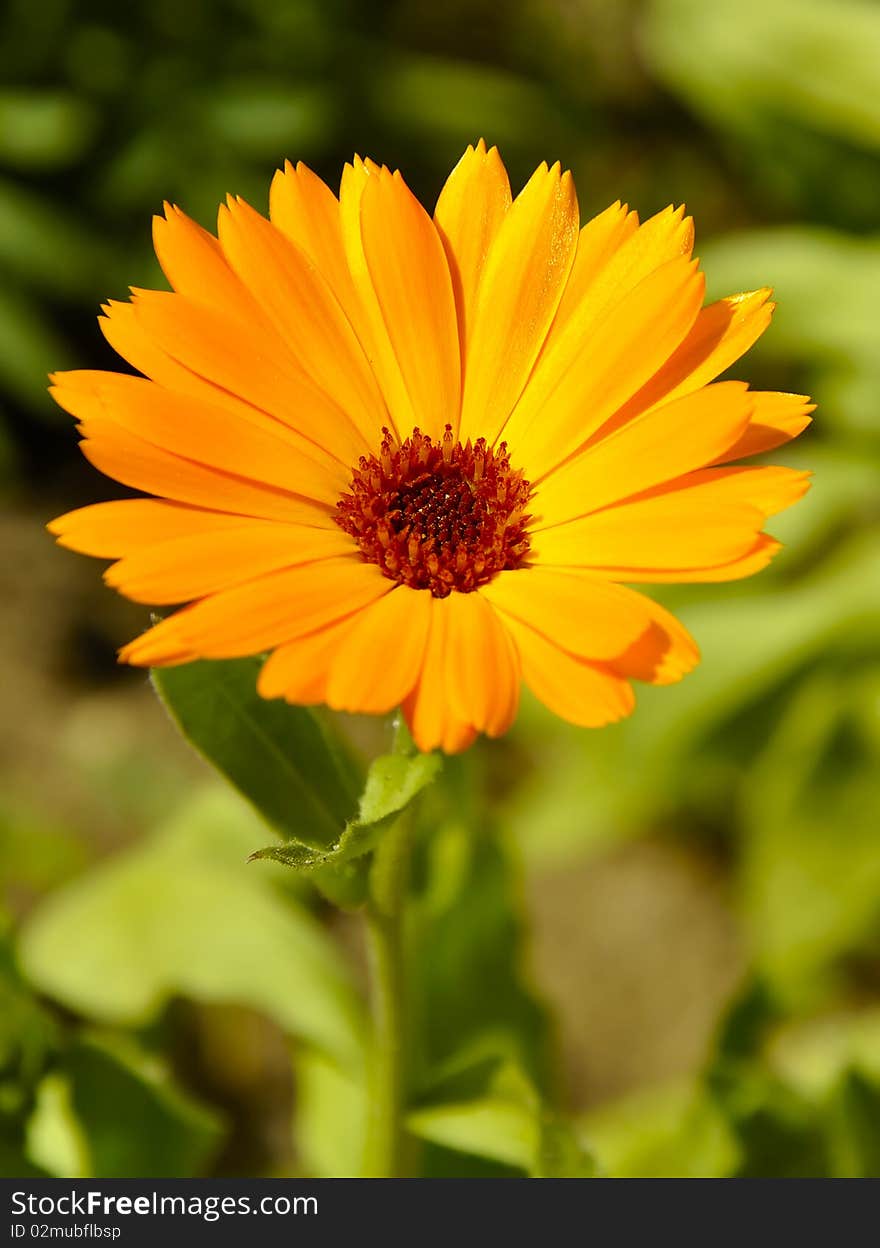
point(43, 129)
point(260, 118)
point(55, 1141)
point(42, 247)
point(779, 1133)
point(854, 1128)
point(810, 865)
point(113, 1087)
point(502, 1120)
point(561, 1154)
point(14, 1164)
point(678, 748)
point(29, 349)
point(280, 757)
point(392, 782)
point(742, 61)
point(825, 282)
point(442, 97)
point(469, 939)
point(331, 1115)
point(675, 1131)
point(28, 1038)
point(181, 914)
point(28, 1043)
point(826, 285)
point(493, 1127)
point(814, 1056)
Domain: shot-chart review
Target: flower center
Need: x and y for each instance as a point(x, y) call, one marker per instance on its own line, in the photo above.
point(438, 515)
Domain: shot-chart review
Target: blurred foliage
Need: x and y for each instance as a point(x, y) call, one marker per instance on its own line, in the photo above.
point(168, 983)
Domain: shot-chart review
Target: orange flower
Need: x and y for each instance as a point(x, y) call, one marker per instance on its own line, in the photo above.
point(415, 459)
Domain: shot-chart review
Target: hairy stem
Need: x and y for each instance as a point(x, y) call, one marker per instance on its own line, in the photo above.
point(386, 1145)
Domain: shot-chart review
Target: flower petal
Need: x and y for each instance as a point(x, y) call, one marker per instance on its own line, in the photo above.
point(194, 264)
point(410, 278)
point(522, 282)
point(247, 361)
point(722, 332)
point(110, 530)
point(776, 418)
point(661, 532)
point(701, 519)
point(263, 613)
point(661, 656)
point(587, 694)
point(300, 303)
point(429, 714)
point(468, 216)
point(183, 568)
point(482, 665)
point(198, 431)
point(767, 487)
point(142, 466)
point(379, 660)
point(371, 325)
point(583, 614)
point(655, 447)
point(599, 240)
point(323, 438)
point(617, 254)
point(757, 557)
point(579, 385)
point(298, 671)
point(306, 211)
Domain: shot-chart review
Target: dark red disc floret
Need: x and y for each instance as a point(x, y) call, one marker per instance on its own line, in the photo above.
point(438, 515)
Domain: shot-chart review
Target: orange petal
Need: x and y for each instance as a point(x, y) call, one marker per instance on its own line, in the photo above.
point(298, 671)
point(264, 613)
point(579, 385)
point(136, 463)
point(194, 264)
point(768, 488)
point(776, 418)
point(410, 279)
point(482, 665)
point(587, 694)
point(522, 283)
point(655, 447)
point(662, 655)
point(127, 336)
point(200, 432)
point(603, 279)
point(756, 559)
point(585, 615)
point(250, 363)
point(307, 212)
point(599, 240)
point(667, 532)
point(381, 656)
point(430, 717)
point(371, 323)
point(468, 215)
point(300, 303)
point(183, 568)
point(721, 333)
point(110, 530)
point(702, 519)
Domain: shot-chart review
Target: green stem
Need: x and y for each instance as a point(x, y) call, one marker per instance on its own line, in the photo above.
point(386, 1143)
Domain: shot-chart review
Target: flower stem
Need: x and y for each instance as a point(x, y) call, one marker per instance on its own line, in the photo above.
point(386, 1143)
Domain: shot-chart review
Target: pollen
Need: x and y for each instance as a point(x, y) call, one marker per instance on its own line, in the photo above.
point(438, 514)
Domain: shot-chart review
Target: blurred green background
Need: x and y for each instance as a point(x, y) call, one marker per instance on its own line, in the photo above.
point(681, 913)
